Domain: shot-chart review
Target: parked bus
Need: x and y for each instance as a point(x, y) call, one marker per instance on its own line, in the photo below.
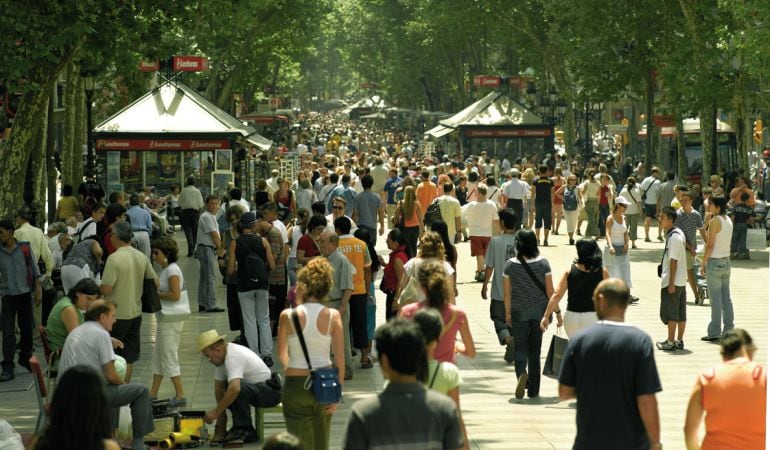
point(726, 157)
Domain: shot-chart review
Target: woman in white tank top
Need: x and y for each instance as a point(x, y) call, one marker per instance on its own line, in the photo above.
point(716, 267)
point(322, 331)
point(616, 251)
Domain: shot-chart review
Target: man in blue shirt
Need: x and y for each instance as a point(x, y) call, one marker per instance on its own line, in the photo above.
point(141, 224)
point(389, 195)
point(19, 277)
point(346, 192)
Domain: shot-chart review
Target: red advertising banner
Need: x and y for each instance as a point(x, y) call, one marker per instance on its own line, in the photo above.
point(663, 121)
point(161, 144)
point(486, 81)
point(190, 63)
point(505, 132)
point(149, 66)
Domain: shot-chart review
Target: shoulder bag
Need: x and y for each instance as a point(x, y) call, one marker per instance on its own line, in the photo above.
point(536, 281)
point(325, 383)
point(176, 310)
point(150, 297)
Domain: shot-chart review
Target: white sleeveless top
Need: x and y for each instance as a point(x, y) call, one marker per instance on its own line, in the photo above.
point(296, 233)
point(722, 244)
point(618, 232)
point(318, 344)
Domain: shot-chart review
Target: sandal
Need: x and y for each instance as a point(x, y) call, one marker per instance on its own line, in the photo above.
point(219, 437)
point(366, 363)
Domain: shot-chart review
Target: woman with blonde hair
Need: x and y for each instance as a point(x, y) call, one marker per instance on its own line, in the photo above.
point(409, 215)
point(438, 292)
point(322, 332)
point(431, 249)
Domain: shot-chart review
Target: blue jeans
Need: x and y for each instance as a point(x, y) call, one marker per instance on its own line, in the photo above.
point(291, 269)
point(718, 280)
point(527, 340)
point(738, 239)
point(255, 309)
point(207, 294)
point(604, 213)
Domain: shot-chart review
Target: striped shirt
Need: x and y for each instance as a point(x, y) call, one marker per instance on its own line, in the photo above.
point(689, 223)
point(525, 294)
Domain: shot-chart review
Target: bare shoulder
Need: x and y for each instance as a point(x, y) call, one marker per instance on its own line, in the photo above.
point(110, 444)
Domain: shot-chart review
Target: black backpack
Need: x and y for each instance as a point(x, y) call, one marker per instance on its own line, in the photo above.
point(432, 213)
point(255, 268)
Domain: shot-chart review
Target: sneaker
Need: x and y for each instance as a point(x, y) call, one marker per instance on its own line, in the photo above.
point(634, 299)
point(709, 339)
point(7, 375)
point(633, 246)
point(733, 256)
point(180, 402)
point(215, 309)
point(571, 241)
point(508, 357)
point(480, 276)
point(679, 344)
point(647, 239)
point(666, 345)
point(660, 238)
point(545, 243)
point(521, 386)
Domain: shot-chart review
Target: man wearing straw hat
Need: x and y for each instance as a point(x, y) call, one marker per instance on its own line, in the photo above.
point(241, 380)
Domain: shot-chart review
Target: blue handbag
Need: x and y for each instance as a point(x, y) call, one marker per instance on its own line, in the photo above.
point(325, 383)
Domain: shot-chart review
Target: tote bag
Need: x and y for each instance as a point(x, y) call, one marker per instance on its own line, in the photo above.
point(176, 309)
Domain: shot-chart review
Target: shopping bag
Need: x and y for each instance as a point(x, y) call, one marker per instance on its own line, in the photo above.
point(555, 355)
point(9, 438)
point(756, 239)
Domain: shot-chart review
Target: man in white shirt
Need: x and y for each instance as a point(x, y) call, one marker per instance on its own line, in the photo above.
point(38, 242)
point(451, 212)
point(90, 344)
point(514, 194)
point(208, 250)
point(650, 188)
point(379, 173)
point(272, 182)
point(241, 380)
point(481, 217)
point(673, 281)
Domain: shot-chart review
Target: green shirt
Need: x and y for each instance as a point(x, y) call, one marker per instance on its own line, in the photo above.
point(55, 328)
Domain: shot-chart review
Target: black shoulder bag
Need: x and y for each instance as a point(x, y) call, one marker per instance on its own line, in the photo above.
point(325, 383)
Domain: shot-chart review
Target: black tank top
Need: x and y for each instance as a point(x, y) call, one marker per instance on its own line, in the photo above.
point(580, 289)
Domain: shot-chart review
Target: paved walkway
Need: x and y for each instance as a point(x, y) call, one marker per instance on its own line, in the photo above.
point(494, 418)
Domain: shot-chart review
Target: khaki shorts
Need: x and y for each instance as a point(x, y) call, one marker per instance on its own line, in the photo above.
point(690, 261)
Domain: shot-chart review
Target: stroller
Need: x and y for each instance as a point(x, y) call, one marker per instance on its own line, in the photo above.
point(700, 280)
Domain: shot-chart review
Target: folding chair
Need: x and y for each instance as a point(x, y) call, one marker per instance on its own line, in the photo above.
point(40, 388)
point(50, 358)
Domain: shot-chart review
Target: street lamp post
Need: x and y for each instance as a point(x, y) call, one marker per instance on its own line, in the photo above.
point(591, 111)
point(89, 82)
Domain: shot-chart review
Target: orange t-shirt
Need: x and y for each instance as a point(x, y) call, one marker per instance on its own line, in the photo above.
point(414, 220)
point(356, 251)
point(734, 399)
point(425, 193)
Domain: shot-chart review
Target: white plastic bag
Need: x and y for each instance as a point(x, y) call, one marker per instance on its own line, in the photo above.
point(125, 432)
point(9, 438)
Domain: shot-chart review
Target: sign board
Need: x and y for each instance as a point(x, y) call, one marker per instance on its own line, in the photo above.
point(486, 81)
point(275, 101)
point(663, 121)
point(149, 66)
point(190, 63)
point(369, 85)
point(506, 132)
point(617, 128)
point(161, 144)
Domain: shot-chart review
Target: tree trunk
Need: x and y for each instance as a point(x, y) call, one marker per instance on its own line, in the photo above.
point(707, 124)
point(15, 152)
point(650, 92)
point(37, 162)
point(681, 154)
point(744, 142)
point(51, 173)
point(569, 130)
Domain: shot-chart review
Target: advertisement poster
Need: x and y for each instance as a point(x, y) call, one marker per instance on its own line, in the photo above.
point(113, 167)
point(131, 168)
point(168, 167)
point(220, 180)
point(223, 160)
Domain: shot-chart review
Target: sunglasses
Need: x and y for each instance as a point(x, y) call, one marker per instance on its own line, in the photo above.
point(338, 207)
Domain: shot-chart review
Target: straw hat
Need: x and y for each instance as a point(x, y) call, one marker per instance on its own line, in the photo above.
point(208, 338)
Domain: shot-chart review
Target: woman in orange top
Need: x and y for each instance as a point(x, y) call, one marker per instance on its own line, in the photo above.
point(409, 215)
point(733, 397)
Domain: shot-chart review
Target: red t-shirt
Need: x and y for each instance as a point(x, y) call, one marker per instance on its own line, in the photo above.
point(389, 280)
point(604, 194)
point(308, 245)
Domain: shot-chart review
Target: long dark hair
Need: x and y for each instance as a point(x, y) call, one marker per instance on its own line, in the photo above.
point(441, 228)
point(589, 254)
point(397, 236)
point(364, 235)
point(80, 414)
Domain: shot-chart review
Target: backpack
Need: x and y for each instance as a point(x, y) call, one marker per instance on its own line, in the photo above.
point(432, 213)
point(570, 202)
point(83, 226)
point(255, 268)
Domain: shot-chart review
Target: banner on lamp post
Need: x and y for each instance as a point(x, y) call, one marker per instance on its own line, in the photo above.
point(190, 63)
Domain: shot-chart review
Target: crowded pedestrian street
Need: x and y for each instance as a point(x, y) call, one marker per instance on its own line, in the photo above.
point(494, 418)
